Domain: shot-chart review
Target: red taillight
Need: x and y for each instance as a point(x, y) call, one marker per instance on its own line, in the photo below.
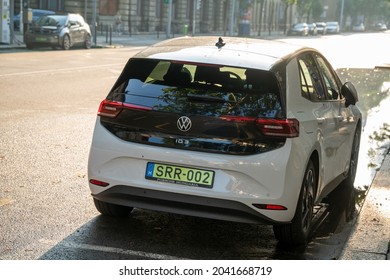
point(270, 206)
point(112, 109)
point(98, 183)
point(288, 128)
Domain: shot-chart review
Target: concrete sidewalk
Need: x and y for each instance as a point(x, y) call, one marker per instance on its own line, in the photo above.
point(104, 40)
point(370, 236)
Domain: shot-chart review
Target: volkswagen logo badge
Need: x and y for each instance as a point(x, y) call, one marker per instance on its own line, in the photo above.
point(184, 123)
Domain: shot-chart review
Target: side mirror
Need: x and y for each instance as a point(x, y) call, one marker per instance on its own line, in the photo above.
point(349, 91)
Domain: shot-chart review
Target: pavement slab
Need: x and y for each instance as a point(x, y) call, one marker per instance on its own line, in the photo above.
point(370, 237)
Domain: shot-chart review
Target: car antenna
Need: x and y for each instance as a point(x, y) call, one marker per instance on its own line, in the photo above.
point(220, 43)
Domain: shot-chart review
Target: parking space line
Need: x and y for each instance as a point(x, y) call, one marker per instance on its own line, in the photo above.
point(62, 70)
point(114, 250)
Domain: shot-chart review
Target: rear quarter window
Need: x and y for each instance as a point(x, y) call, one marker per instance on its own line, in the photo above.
point(311, 84)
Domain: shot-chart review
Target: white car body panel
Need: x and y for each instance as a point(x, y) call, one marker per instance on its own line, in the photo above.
point(274, 177)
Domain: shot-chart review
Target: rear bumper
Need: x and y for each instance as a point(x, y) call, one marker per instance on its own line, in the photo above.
point(191, 205)
point(49, 40)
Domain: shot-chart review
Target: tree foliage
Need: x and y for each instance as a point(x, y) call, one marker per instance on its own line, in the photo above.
point(309, 10)
point(287, 4)
point(371, 11)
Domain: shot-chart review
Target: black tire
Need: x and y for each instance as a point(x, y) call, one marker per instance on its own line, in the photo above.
point(112, 209)
point(87, 42)
point(66, 42)
point(350, 179)
point(299, 230)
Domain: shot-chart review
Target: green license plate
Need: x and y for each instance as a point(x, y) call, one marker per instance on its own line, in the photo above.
point(180, 175)
point(41, 39)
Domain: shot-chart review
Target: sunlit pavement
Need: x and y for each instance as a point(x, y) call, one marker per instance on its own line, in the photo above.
point(370, 237)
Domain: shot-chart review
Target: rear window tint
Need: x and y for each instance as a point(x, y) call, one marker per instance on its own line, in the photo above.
point(191, 88)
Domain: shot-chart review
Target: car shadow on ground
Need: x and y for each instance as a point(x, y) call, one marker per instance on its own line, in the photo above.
point(152, 235)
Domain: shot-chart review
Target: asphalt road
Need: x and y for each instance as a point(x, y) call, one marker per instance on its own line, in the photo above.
point(48, 104)
point(48, 107)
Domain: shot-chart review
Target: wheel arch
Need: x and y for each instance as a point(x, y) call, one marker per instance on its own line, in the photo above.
point(359, 126)
point(358, 130)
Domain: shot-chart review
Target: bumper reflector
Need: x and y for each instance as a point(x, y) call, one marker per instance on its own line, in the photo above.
point(98, 183)
point(270, 206)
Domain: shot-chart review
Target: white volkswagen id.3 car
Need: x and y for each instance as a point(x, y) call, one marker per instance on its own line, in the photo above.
point(236, 129)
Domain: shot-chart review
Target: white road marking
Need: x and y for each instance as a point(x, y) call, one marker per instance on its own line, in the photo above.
point(61, 70)
point(114, 250)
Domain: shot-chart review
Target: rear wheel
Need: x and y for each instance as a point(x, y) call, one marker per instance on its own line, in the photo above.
point(110, 209)
point(298, 231)
point(87, 41)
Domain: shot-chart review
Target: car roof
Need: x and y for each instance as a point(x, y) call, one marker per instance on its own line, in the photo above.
point(239, 52)
point(67, 15)
point(43, 11)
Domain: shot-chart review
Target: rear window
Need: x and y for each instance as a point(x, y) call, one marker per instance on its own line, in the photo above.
point(190, 88)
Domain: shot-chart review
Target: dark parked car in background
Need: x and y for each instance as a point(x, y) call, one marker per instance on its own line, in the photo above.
point(36, 14)
point(301, 29)
point(62, 31)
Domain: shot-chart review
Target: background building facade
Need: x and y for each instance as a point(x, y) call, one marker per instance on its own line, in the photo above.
point(216, 16)
point(188, 16)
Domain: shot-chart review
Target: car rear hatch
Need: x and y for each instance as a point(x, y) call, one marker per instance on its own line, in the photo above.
point(200, 107)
